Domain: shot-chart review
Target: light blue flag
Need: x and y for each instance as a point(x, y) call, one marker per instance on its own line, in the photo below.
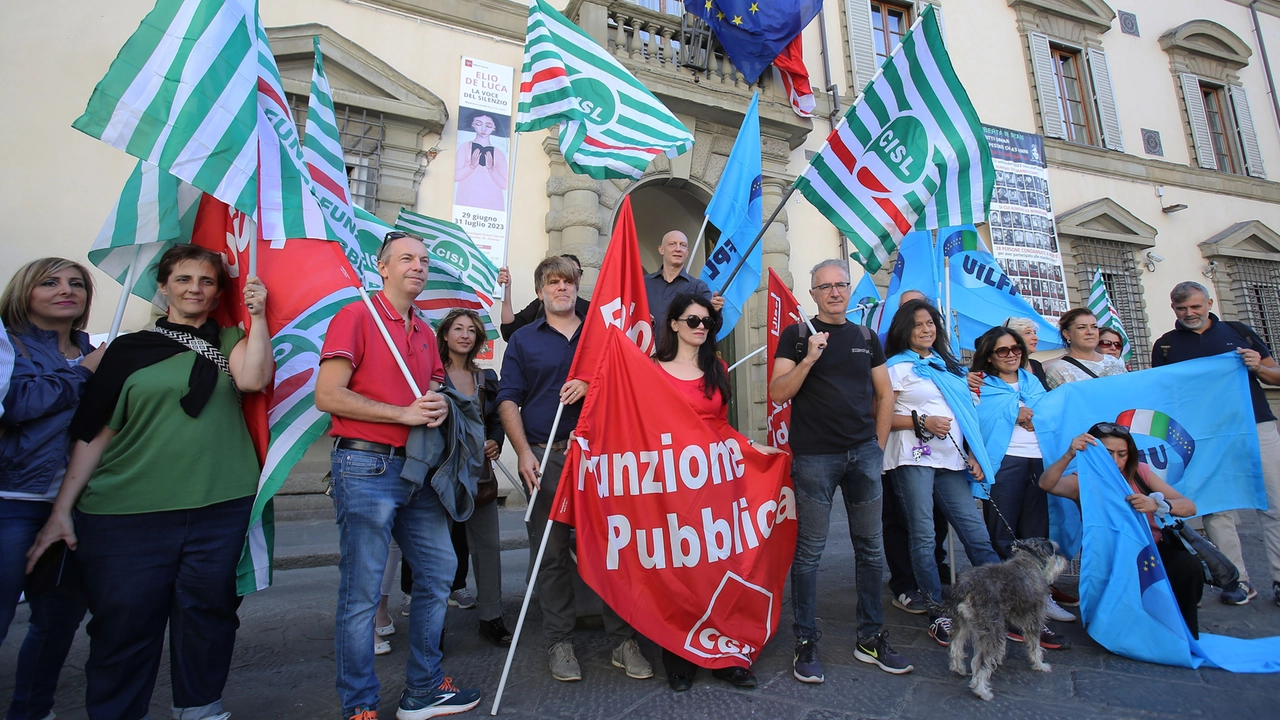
point(915, 269)
point(1210, 457)
point(1126, 601)
point(864, 301)
point(737, 211)
point(982, 296)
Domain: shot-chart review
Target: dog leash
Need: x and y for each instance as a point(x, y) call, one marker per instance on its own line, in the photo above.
point(924, 436)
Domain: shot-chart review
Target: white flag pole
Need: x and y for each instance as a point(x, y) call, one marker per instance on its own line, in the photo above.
point(524, 610)
point(126, 290)
point(518, 485)
point(754, 353)
point(395, 351)
point(693, 253)
point(546, 453)
point(511, 193)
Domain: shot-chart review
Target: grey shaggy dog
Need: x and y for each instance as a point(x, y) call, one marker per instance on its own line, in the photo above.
point(988, 599)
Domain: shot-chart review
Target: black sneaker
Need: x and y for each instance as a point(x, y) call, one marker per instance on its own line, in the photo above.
point(1049, 640)
point(911, 602)
point(736, 676)
point(448, 699)
point(940, 630)
point(806, 667)
point(495, 631)
point(876, 651)
point(1275, 590)
point(1241, 594)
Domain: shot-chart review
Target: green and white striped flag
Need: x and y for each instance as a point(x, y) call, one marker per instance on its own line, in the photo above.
point(182, 95)
point(1101, 307)
point(611, 126)
point(450, 246)
point(155, 212)
point(909, 155)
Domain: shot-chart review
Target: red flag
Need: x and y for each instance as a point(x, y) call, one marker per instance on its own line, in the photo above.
point(783, 310)
point(795, 78)
point(619, 299)
point(683, 529)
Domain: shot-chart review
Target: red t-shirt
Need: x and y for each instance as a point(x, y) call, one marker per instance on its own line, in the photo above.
point(354, 335)
point(712, 409)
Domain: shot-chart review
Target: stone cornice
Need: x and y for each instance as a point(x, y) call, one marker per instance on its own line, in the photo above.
point(1268, 7)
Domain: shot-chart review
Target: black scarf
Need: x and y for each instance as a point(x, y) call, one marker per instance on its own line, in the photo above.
point(132, 352)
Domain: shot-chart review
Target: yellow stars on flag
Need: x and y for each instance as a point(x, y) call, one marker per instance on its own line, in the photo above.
point(719, 15)
point(737, 19)
point(708, 4)
point(755, 8)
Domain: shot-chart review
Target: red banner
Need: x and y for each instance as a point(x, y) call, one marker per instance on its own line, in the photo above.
point(619, 299)
point(683, 529)
point(783, 310)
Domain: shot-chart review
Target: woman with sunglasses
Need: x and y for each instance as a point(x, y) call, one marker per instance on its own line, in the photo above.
point(1079, 329)
point(687, 354)
point(1186, 575)
point(1111, 343)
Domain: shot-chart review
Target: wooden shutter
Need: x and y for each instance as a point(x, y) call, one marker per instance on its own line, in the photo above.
point(1244, 128)
point(1046, 85)
point(862, 48)
point(1104, 99)
point(937, 11)
point(1199, 123)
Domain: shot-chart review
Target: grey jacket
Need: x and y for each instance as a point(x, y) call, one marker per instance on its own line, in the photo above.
point(450, 455)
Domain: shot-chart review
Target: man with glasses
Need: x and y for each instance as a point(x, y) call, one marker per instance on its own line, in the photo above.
point(842, 406)
point(671, 280)
point(1199, 333)
point(373, 408)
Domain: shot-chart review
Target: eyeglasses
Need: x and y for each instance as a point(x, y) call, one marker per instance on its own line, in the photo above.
point(1005, 352)
point(828, 287)
point(694, 322)
point(1109, 429)
point(1114, 344)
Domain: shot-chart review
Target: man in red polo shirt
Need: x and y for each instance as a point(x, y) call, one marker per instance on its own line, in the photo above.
point(372, 406)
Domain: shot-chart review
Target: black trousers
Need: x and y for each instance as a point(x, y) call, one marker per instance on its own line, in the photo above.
point(897, 543)
point(1186, 575)
point(1017, 495)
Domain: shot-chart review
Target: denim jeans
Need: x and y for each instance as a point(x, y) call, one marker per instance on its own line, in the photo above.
point(917, 487)
point(373, 505)
point(55, 614)
point(145, 571)
point(1017, 495)
point(857, 473)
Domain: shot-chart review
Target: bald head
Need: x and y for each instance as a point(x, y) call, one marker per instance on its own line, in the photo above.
point(674, 248)
point(911, 295)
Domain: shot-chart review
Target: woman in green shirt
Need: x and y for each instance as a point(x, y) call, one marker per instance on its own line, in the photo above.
point(158, 491)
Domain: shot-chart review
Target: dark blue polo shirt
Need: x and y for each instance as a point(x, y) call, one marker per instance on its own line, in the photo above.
point(534, 368)
point(1185, 344)
point(661, 293)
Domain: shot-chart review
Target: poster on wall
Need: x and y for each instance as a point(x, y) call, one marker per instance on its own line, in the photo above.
point(481, 168)
point(1023, 237)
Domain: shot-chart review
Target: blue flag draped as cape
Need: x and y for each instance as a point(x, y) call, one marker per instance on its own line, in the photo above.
point(998, 410)
point(1126, 601)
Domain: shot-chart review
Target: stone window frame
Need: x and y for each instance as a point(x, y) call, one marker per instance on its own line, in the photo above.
point(1204, 53)
point(1103, 233)
point(1244, 267)
point(1074, 26)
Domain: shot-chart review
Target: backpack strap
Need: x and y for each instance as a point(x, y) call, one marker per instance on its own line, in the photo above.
point(1077, 363)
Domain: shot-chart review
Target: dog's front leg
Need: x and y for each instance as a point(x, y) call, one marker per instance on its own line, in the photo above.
point(1036, 654)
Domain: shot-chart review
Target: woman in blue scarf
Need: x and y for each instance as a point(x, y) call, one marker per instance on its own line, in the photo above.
point(932, 416)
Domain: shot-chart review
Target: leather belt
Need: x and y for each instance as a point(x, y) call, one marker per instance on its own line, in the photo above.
point(369, 447)
point(558, 446)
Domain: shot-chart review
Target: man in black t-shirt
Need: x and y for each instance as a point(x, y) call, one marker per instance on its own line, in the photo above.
point(841, 407)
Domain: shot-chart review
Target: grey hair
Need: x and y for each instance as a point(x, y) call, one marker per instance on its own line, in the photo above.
point(1183, 290)
point(833, 262)
point(1020, 325)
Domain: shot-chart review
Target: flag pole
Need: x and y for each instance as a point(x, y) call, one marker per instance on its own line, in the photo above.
point(524, 610)
point(395, 351)
point(130, 277)
point(754, 353)
point(747, 253)
point(546, 453)
point(511, 193)
point(697, 245)
point(518, 485)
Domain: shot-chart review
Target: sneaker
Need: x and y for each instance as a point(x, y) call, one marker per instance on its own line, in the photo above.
point(1054, 611)
point(628, 657)
point(388, 630)
point(940, 630)
point(362, 714)
point(806, 667)
point(876, 650)
point(404, 605)
point(448, 699)
point(1241, 594)
point(564, 664)
point(911, 602)
point(495, 631)
point(462, 599)
point(1275, 589)
point(1063, 598)
point(381, 647)
point(1049, 640)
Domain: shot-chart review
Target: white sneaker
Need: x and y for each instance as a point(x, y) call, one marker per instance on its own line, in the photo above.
point(389, 629)
point(404, 605)
point(381, 647)
point(1054, 611)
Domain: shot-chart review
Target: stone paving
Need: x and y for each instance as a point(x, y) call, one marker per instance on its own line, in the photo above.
point(284, 665)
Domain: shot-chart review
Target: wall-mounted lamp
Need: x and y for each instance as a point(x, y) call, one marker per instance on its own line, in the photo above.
point(1151, 259)
point(1211, 270)
point(1168, 209)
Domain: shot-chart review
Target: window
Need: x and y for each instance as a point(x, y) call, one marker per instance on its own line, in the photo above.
point(362, 133)
point(1256, 286)
point(1120, 275)
point(1219, 131)
point(1071, 96)
point(889, 23)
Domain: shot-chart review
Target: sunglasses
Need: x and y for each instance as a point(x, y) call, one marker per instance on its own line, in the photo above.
point(1114, 344)
point(1004, 352)
point(1109, 429)
point(694, 322)
point(394, 235)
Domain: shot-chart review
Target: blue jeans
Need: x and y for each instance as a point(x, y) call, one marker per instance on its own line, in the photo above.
point(145, 571)
point(917, 487)
point(55, 614)
point(857, 473)
point(373, 505)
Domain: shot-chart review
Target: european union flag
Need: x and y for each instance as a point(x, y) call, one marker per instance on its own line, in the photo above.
point(753, 32)
point(737, 211)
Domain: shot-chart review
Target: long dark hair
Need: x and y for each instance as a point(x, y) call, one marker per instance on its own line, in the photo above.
point(984, 348)
point(904, 321)
point(1112, 430)
point(442, 341)
point(714, 376)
